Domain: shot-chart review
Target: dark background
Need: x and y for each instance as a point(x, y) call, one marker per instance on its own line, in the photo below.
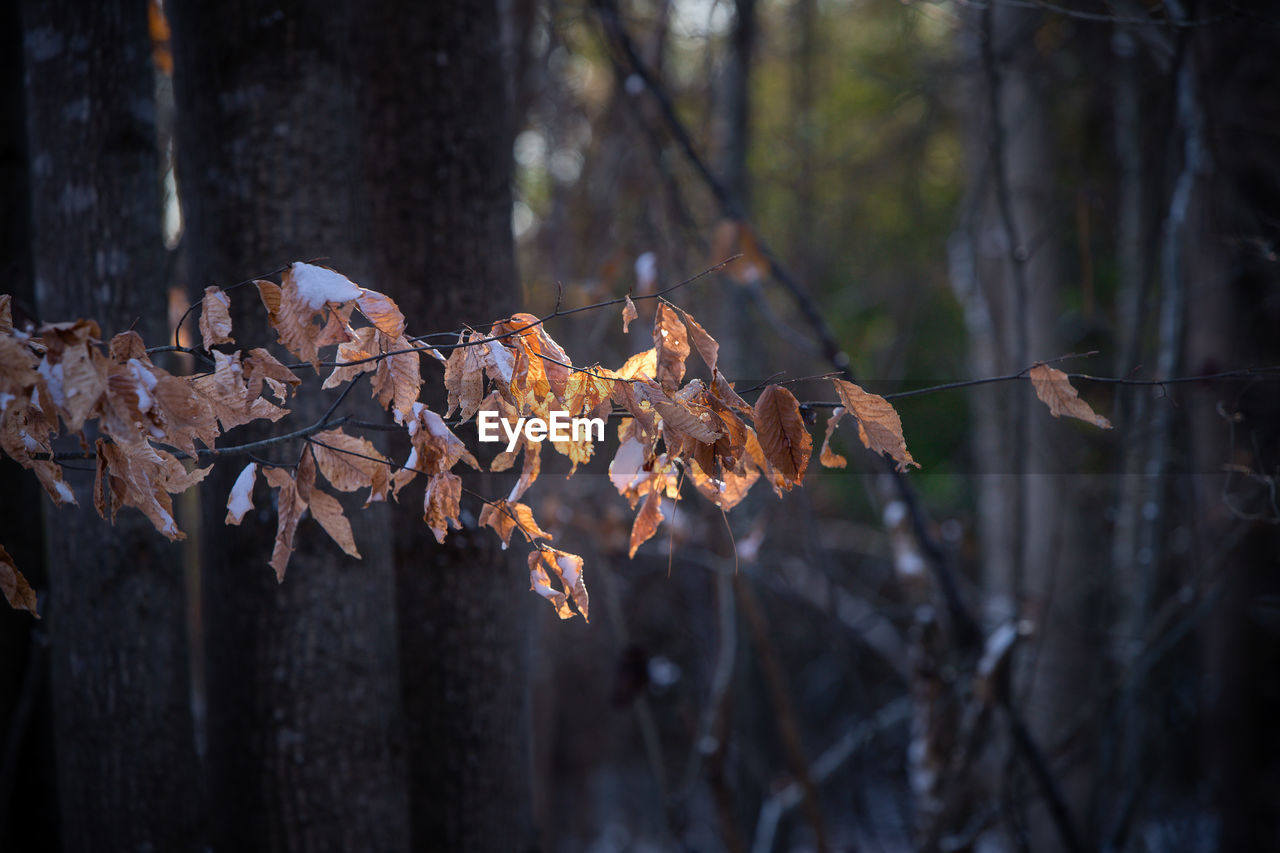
point(1050, 637)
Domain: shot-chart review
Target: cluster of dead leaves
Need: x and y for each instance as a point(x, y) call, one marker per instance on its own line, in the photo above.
point(142, 421)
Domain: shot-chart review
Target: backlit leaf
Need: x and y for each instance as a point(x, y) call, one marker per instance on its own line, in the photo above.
point(879, 426)
point(782, 434)
point(1053, 387)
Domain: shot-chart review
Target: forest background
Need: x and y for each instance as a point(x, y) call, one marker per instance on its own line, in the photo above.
point(1048, 637)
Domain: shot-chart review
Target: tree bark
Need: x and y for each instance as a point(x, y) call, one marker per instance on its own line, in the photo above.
point(436, 166)
point(125, 750)
point(304, 727)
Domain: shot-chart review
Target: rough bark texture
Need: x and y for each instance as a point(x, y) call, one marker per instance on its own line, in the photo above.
point(303, 677)
point(436, 166)
point(125, 752)
point(28, 815)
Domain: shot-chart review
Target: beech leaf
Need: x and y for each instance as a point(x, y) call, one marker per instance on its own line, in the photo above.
point(215, 318)
point(647, 521)
point(326, 510)
point(828, 457)
point(506, 517)
point(381, 310)
point(16, 590)
point(879, 426)
point(629, 313)
point(568, 570)
point(671, 343)
point(782, 434)
point(289, 508)
point(706, 345)
point(1053, 387)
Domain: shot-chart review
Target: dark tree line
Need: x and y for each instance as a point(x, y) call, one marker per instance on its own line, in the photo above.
point(366, 706)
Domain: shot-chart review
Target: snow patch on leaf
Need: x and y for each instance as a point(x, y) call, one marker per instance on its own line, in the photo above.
point(241, 498)
point(318, 285)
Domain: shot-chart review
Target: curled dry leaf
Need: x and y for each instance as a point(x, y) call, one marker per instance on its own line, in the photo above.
point(464, 378)
point(568, 569)
point(1053, 387)
point(684, 417)
point(398, 378)
point(441, 503)
point(381, 310)
point(671, 344)
point(629, 313)
point(16, 590)
point(828, 457)
point(782, 435)
point(362, 348)
point(69, 371)
point(506, 517)
point(349, 463)
point(647, 521)
point(225, 393)
point(879, 426)
point(215, 318)
point(289, 509)
point(706, 345)
point(326, 510)
point(261, 366)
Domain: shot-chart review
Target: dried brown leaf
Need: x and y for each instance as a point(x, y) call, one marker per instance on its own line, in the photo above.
point(442, 503)
point(261, 366)
point(671, 343)
point(289, 509)
point(361, 348)
point(349, 463)
point(782, 434)
point(326, 510)
point(215, 318)
point(464, 378)
point(1053, 387)
point(685, 418)
point(828, 457)
point(16, 590)
point(505, 518)
point(706, 345)
point(647, 521)
point(398, 379)
point(629, 313)
point(879, 426)
point(568, 569)
point(127, 345)
point(381, 310)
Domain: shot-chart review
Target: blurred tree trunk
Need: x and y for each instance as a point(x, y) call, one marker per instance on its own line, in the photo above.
point(126, 760)
point(1008, 269)
point(304, 729)
point(27, 778)
point(437, 171)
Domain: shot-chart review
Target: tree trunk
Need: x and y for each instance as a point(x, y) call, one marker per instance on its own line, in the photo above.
point(437, 172)
point(28, 819)
point(1009, 275)
point(125, 749)
point(303, 677)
